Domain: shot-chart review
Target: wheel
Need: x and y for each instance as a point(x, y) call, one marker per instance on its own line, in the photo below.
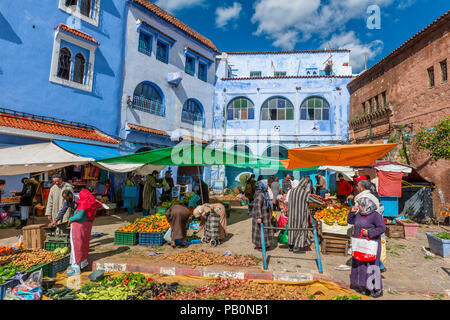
point(213, 243)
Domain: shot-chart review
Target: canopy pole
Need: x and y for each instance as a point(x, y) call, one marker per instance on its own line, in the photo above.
point(200, 184)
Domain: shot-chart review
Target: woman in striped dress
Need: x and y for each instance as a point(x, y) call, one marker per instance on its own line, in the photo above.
point(298, 215)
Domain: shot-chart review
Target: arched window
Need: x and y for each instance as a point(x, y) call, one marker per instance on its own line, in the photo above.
point(240, 109)
point(315, 108)
point(78, 72)
point(64, 64)
point(277, 108)
point(193, 112)
point(276, 151)
point(85, 7)
point(148, 98)
point(70, 3)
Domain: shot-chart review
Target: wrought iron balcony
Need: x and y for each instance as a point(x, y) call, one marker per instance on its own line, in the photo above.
point(150, 106)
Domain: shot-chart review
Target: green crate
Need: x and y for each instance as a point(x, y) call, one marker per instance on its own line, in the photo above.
point(59, 265)
point(161, 210)
point(52, 245)
point(46, 268)
point(244, 202)
point(126, 238)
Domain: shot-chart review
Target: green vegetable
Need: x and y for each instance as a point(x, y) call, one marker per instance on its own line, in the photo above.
point(443, 235)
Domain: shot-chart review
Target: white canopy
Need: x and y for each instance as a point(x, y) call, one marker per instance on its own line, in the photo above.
point(392, 167)
point(347, 172)
point(140, 169)
point(38, 157)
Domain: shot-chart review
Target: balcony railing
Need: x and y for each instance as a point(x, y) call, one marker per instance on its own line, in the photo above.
point(150, 106)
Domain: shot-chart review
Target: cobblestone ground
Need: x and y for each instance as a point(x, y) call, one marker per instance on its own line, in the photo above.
point(408, 268)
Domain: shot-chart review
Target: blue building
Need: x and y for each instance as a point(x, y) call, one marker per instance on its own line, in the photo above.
point(269, 102)
point(169, 80)
point(61, 71)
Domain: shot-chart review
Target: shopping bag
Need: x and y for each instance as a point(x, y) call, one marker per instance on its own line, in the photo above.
point(283, 236)
point(364, 249)
point(282, 220)
point(168, 235)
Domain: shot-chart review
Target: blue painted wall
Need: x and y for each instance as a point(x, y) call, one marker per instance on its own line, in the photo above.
point(26, 41)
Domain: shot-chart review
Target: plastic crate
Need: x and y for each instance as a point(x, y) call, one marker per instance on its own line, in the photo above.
point(390, 206)
point(126, 238)
point(7, 285)
point(148, 239)
point(59, 265)
point(161, 210)
point(244, 202)
point(44, 266)
point(437, 245)
point(52, 245)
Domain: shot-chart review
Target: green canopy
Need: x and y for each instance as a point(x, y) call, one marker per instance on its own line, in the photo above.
point(195, 155)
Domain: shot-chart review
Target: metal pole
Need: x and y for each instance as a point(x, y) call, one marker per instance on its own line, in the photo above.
point(316, 242)
point(263, 247)
point(199, 180)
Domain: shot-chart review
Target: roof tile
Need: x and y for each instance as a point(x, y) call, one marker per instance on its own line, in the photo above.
point(24, 123)
point(148, 130)
point(77, 33)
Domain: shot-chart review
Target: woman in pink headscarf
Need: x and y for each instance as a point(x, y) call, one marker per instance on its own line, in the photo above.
point(80, 232)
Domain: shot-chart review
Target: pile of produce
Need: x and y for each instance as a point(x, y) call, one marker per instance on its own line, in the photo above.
point(98, 292)
point(331, 215)
point(185, 201)
point(229, 197)
point(5, 250)
point(8, 271)
point(61, 251)
point(7, 199)
point(191, 238)
point(29, 258)
point(154, 291)
point(64, 293)
point(443, 235)
point(154, 223)
point(206, 258)
point(236, 289)
point(127, 279)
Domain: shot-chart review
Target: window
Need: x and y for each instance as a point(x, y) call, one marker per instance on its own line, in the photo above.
point(377, 103)
point(162, 51)
point(145, 43)
point(86, 10)
point(444, 70)
point(280, 73)
point(315, 108)
point(240, 109)
point(78, 74)
point(431, 76)
point(64, 64)
point(85, 7)
point(370, 106)
point(148, 98)
point(202, 71)
point(383, 97)
point(192, 112)
point(255, 74)
point(190, 65)
point(277, 108)
point(364, 107)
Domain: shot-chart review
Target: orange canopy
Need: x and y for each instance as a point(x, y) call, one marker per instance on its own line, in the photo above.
point(341, 155)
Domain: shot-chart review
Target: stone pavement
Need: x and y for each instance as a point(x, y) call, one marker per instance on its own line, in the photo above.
point(409, 274)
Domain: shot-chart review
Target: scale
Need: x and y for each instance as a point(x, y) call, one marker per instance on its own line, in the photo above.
point(59, 233)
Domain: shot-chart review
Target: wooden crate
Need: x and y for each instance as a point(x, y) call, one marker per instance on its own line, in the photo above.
point(34, 236)
point(395, 231)
point(335, 244)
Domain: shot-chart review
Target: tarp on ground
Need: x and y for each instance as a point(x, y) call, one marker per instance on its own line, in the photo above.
point(88, 151)
point(39, 157)
point(195, 155)
point(341, 155)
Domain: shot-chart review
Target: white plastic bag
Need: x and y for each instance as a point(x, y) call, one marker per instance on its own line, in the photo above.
point(364, 249)
point(168, 235)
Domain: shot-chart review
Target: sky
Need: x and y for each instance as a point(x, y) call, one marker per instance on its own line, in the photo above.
point(271, 25)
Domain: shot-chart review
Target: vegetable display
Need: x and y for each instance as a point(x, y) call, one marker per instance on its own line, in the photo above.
point(443, 235)
point(332, 215)
point(154, 223)
point(29, 258)
point(8, 271)
point(206, 258)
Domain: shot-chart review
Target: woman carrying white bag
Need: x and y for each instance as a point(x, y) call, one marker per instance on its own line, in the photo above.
point(365, 276)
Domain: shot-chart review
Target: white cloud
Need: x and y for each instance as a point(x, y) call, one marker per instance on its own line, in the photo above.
point(176, 5)
point(280, 20)
point(227, 14)
point(348, 40)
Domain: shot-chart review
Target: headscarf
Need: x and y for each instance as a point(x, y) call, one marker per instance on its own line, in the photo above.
point(276, 179)
point(88, 203)
point(303, 183)
point(262, 187)
point(243, 178)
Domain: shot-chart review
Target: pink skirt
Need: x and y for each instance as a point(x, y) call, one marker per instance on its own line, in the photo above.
point(81, 236)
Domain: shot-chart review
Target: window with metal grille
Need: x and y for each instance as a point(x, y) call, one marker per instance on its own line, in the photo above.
point(255, 74)
point(190, 65)
point(277, 108)
point(145, 43)
point(193, 112)
point(148, 98)
point(85, 7)
point(315, 108)
point(64, 64)
point(78, 72)
point(162, 51)
point(202, 71)
point(431, 76)
point(279, 73)
point(444, 70)
point(240, 109)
